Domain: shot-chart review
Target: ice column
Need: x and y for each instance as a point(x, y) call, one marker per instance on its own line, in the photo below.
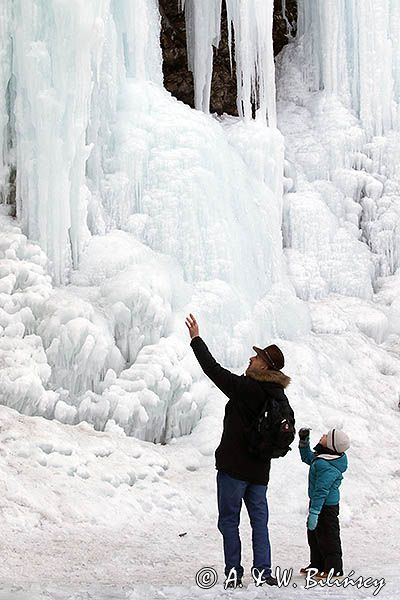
point(351, 48)
point(69, 62)
point(250, 23)
point(394, 25)
point(5, 73)
point(203, 27)
point(53, 46)
point(138, 32)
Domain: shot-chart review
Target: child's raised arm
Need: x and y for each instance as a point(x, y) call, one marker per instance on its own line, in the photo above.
point(306, 453)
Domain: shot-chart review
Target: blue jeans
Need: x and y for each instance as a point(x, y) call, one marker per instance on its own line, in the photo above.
point(230, 493)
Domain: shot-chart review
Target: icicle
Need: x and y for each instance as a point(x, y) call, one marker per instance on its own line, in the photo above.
point(59, 50)
point(394, 28)
point(352, 49)
point(5, 74)
point(252, 24)
point(139, 38)
point(288, 24)
point(203, 28)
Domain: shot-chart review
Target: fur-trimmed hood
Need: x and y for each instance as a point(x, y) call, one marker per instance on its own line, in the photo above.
point(271, 377)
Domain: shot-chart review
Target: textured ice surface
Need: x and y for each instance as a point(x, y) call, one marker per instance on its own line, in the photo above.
point(352, 50)
point(167, 210)
point(64, 100)
point(111, 347)
point(130, 194)
point(342, 210)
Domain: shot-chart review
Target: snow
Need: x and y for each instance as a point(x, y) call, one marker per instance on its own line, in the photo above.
point(134, 210)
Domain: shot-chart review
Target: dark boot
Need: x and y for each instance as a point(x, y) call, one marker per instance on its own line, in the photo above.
point(304, 570)
point(260, 579)
point(233, 584)
point(233, 580)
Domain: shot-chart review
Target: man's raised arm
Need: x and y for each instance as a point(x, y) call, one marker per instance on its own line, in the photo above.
point(226, 381)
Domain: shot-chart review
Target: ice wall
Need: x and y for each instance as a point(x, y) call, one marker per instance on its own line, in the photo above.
point(338, 86)
point(68, 61)
point(353, 50)
point(131, 195)
point(63, 74)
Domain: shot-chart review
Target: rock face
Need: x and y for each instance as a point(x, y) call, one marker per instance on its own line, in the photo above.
point(179, 81)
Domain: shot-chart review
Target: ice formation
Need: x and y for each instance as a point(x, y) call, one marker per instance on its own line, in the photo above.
point(203, 27)
point(250, 32)
point(63, 96)
point(347, 157)
point(142, 209)
point(360, 63)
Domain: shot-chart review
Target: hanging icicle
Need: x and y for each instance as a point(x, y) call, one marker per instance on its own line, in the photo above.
point(250, 33)
point(353, 50)
point(252, 27)
point(203, 28)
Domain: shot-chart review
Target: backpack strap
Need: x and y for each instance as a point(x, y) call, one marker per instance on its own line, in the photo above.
point(262, 412)
point(259, 416)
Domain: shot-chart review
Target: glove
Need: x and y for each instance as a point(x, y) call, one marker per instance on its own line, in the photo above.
point(312, 520)
point(304, 435)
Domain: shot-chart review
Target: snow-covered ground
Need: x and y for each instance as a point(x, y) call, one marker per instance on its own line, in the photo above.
point(90, 514)
point(98, 513)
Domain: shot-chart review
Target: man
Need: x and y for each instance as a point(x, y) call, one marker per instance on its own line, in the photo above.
point(239, 475)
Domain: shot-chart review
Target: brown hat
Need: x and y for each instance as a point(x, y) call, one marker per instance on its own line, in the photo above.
point(272, 355)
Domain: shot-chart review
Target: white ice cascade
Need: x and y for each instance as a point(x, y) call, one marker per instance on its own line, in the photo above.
point(344, 64)
point(353, 50)
point(63, 72)
point(130, 194)
point(251, 24)
point(60, 54)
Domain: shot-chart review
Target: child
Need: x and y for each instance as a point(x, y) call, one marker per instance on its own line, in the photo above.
point(327, 463)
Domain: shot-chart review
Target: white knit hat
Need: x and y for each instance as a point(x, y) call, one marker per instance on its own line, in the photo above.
point(337, 440)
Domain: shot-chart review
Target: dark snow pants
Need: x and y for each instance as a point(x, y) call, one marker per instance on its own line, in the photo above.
point(230, 494)
point(324, 541)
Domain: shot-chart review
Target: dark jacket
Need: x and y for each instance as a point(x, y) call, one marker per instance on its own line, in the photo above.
point(246, 397)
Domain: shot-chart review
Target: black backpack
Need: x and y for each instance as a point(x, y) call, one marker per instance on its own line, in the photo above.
point(272, 432)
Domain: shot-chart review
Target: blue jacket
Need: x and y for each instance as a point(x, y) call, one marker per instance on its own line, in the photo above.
point(325, 477)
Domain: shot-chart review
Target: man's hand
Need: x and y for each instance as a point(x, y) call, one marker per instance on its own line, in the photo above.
point(191, 324)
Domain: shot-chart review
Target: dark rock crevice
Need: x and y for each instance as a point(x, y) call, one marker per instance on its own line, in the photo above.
point(179, 80)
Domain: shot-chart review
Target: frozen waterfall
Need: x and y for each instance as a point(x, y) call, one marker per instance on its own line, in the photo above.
point(133, 208)
point(130, 195)
point(66, 64)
